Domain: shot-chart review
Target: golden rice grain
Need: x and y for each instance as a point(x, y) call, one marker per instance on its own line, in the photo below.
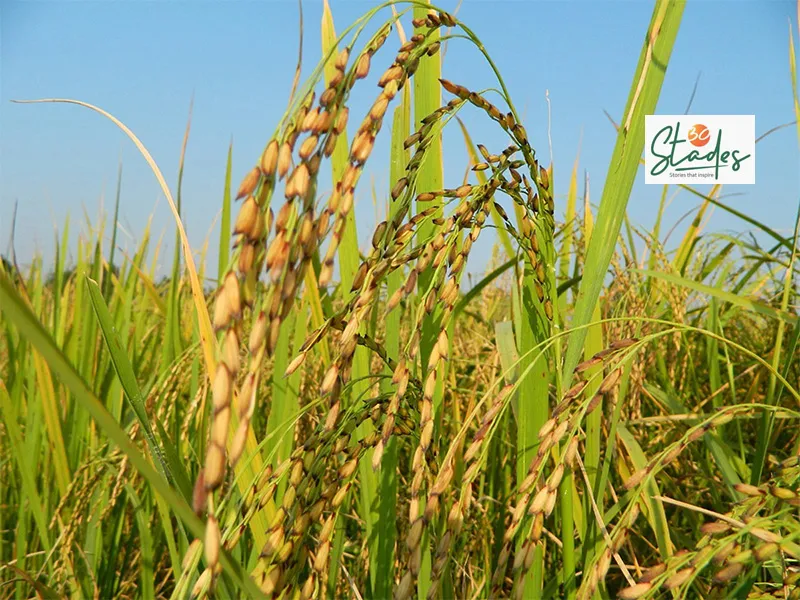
point(249, 183)
point(635, 591)
point(362, 67)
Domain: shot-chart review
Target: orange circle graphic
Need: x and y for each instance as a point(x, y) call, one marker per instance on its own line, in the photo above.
point(699, 135)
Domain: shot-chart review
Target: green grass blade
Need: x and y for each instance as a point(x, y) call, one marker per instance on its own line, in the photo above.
point(386, 525)
point(751, 305)
point(285, 402)
point(430, 176)
point(127, 378)
point(533, 409)
point(565, 252)
point(594, 343)
point(654, 508)
point(225, 223)
point(114, 229)
point(786, 243)
point(16, 311)
point(23, 460)
point(173, 344)
point(624, 164)
point(58, 278)
point(55, 434)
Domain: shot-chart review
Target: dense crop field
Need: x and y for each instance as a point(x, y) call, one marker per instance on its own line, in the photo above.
point(598, 416)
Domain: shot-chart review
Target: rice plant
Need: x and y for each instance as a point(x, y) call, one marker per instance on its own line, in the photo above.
point(329, 423)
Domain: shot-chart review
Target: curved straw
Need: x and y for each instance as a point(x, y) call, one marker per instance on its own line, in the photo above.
point(203, 320)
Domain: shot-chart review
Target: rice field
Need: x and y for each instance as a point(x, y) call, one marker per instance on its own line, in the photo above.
point(586, 420)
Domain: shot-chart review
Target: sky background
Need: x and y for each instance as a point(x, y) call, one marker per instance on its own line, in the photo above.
point(143, 61)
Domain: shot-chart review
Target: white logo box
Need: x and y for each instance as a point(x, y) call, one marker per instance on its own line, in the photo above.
point(698, 149)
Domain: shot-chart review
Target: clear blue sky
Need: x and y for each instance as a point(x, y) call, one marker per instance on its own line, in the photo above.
point(143, 60)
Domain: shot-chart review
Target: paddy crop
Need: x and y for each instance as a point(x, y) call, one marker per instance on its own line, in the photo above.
point(582, 422)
